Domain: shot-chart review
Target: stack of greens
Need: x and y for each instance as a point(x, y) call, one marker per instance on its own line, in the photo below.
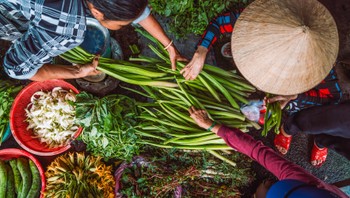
point(108, 125)
point(166, 122)
point(192, 16)
point(273, 117)
point(7, 94)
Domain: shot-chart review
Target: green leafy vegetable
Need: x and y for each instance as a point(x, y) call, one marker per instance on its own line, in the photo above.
point(108, 125)
point(192, 16)
point(273, 117)
point(7, 93)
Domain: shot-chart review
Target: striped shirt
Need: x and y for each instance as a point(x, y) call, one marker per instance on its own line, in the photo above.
point(220, 25)
point(41, 30)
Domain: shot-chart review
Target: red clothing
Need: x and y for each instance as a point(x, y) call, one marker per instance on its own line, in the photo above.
point(272, 161)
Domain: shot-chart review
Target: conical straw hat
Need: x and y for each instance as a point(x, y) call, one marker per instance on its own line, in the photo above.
point(285, 47)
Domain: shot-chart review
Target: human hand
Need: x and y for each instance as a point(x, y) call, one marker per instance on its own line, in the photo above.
point(88, 69)
point(283, 100)
point(193, 68)
point(174, 56)
point(200, 117)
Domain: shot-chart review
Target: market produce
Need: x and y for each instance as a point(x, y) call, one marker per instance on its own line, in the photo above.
point(166, 122)
point(108, 125)
point(161, 172)
point(122, 70)
point(24, 170)
point(79, 175)
point(36, 180)
point(52, 117)
point(273, 117)
point(10, 191)
point(19, 178)
point(3, 179)
point(7, 93)
point(192, 16)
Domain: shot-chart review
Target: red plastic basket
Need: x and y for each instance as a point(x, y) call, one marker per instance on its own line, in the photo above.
point(19, 125)
point(11, 153)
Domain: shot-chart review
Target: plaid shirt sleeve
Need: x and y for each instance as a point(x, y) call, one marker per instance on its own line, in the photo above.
point(35, 48)
point(54, 29)
point(220, 25)
point(327, 92)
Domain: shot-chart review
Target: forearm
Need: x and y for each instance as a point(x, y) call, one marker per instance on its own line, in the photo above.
point(265, 156)
point(151, 25)
point(202, 51)
point(50, 71)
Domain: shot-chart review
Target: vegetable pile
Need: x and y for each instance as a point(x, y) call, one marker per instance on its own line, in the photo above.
point(108, 125)
point(52, 117)
point(7, 92)
point(273, 117)
point(19, 178)
point(166, 122)
point(78, 175)
point(161, 172)
point(191, 16)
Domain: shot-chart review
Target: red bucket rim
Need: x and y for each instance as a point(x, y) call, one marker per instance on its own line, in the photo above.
point(12, 112)
point(10, 153)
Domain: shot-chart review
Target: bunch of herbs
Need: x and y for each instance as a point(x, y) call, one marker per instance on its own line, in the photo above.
point(108, 125)
point(7, 94)
point(192, 16)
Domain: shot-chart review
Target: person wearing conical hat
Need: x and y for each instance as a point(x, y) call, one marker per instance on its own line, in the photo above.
point(286, 53)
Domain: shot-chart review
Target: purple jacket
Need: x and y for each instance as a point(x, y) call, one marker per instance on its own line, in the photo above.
point(272, 161)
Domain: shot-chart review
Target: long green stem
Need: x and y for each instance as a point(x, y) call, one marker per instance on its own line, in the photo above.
point(214, 153)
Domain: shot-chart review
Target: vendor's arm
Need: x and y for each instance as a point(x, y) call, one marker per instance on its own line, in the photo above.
point(151, 25)
point(50, 71)
point(265, 156)
point(220, 25)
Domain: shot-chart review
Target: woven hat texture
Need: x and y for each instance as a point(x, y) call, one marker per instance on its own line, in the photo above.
point(285, 47)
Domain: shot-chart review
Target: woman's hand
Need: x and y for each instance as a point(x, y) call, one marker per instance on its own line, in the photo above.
point(193, 68)
point(283, 100)
point(174, 56)
point(88, 69)
point(200, 117)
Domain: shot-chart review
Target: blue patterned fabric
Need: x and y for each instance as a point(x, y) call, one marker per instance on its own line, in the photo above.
point(41, 30)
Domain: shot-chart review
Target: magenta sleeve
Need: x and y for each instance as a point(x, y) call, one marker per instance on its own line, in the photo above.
point(268, 158)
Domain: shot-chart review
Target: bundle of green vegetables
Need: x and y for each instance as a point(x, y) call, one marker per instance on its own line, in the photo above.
point(108, 125)
point(19, 178)
point(273, 117)
point(192, 16)
point(166, 122)
point(7, 94)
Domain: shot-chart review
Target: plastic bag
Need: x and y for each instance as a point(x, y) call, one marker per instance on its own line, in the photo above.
point(254, 110)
